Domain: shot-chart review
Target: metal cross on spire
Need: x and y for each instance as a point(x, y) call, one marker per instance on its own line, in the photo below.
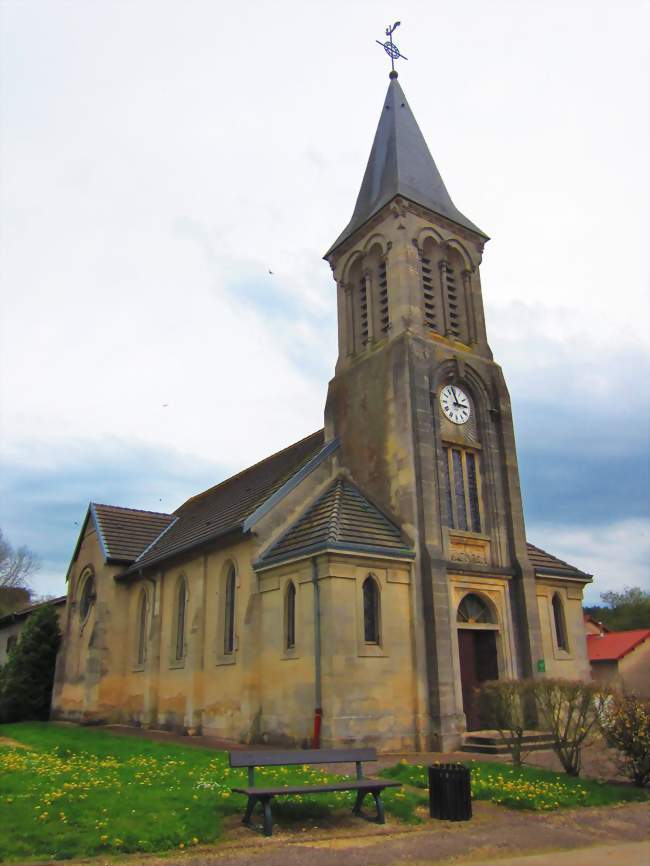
point(391, 49)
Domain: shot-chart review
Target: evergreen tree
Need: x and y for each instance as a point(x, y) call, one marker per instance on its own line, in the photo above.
point(26, 679)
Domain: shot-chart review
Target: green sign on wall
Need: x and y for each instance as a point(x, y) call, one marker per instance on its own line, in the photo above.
point(541, 666)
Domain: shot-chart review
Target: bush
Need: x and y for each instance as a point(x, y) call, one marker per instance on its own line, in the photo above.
point(27, 677)
point(625, 725)
point(571, 711)
point(503, 707)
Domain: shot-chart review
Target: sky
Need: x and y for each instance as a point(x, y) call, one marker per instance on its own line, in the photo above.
point(158, 159)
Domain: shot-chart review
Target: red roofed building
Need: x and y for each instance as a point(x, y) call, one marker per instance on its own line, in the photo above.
point(622, 658)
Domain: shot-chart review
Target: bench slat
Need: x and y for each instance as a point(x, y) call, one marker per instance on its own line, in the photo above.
point(276, 758)
point(349, 785)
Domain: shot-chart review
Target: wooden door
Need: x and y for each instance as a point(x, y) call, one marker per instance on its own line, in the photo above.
point(477, 650)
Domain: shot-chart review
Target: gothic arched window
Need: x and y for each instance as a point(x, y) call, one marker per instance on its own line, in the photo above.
point(142, 628)
point(290, 616)
point(181, 606)
point(87, 594)
point(560, 623)
point(229, 612)
point(474, 609)
point(370, 610)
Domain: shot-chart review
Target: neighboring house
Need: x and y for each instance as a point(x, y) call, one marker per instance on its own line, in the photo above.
point(375, 571)
point(594, 626)
point(11, 624)
point(621, 659)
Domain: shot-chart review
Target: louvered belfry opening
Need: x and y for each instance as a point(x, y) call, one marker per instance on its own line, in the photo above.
point(384, 318)
point(363, 312)
point(452, 280)
point(370, 308)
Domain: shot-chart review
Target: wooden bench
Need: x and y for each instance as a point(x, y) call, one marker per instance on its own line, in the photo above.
point(264, 793)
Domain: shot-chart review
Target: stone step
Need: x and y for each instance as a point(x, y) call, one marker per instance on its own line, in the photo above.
point(490, 743)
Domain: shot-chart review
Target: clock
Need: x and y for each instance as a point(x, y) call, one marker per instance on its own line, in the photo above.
point(455, 404)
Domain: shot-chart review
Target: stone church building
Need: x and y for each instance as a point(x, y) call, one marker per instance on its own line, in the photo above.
point(369, 575)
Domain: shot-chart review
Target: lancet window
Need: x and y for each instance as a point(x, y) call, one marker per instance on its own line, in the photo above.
point(462, 489)
point(141, 654)
point(371, 610)
point(560, 623)
point(181, 606)
point(290, 616)
point(229, 612)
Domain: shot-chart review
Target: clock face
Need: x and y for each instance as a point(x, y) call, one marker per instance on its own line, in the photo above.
point(455, 404)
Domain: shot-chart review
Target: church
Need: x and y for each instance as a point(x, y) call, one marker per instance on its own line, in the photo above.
point(358, 585)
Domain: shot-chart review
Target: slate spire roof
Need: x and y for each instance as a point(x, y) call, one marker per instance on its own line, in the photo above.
point(400, 164)
point(340, 519)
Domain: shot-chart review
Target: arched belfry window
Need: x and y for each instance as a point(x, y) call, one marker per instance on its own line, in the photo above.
point(474, 610)
point(371, 610)
point(181, 609)
point(87, 594)
point(370, 308)
point(141, 654)
point(560, 623)
point(290, 616)
point(229, 612)
point(432, 307)
point(451, 274)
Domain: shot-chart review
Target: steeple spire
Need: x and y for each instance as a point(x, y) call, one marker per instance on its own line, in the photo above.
point(400, 164)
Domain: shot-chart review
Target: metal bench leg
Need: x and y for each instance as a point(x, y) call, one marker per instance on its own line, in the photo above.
point(268, 817)
point(359, 802)
point(250, 806)
point(380, 807)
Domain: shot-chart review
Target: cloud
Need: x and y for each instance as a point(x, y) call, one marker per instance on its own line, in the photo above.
point(45, 494)
point(617, 554)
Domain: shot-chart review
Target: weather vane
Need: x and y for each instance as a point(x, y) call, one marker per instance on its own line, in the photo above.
point(391, 49)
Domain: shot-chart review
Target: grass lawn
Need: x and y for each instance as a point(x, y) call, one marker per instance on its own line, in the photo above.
point(526, 787)
point(81, 792)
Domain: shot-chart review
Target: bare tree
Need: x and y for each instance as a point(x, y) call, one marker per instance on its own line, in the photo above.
point(17, 565)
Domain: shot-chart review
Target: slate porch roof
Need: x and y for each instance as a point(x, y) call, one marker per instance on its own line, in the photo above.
point(223, 509)
point(340, 519)
point(546, 563)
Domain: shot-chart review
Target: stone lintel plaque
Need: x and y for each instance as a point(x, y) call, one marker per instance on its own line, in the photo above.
point(467, 548)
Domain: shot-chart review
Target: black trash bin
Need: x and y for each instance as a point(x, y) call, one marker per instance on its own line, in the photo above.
point(450, 792)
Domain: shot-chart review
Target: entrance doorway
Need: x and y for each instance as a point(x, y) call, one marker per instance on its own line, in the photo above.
point(477, 651)
point(478, 663)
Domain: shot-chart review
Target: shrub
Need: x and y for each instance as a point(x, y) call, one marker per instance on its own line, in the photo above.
point(28, 676)
point(625, 725)
point(503, 707)
point(571, 711)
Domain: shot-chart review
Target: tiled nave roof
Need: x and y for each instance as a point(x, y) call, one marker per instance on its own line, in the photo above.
point(126, 532)
point(224, 508)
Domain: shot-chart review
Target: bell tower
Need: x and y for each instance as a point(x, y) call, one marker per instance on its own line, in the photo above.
point(423, 414)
